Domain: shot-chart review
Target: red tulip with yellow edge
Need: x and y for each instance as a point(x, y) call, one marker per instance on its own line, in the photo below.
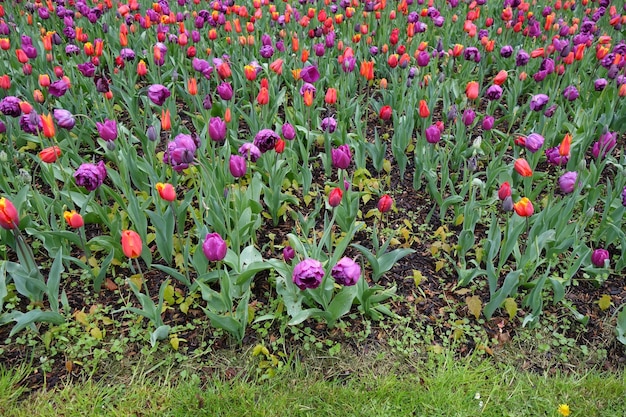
point(166, 191)
point(9, 217)
point(524, 207)
point(73, 219)
point(132, 245)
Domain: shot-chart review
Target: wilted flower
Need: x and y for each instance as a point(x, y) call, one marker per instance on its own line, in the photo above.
point(214, 247)
point(341, 157)
point(90, 176)
point(346, 272)
point(180, 152)
point(265, 140)
point(107, 130)
point(158, 93)
point(538, 102)
point(599, 257)
point(308, 274)
point(567, 181)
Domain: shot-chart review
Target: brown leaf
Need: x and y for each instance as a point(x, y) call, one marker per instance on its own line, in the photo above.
point(110, 285)
point(474, 305)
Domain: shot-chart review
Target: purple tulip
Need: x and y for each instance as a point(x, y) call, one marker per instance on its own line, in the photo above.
point(604, 144)
point(570, 93)
point(58, 88)
point(214, 247)
point(288, 131)
point(180, 152)
point(567, 181)
point(423, 58)
point(507, 204)
point(217, 129)
point(329, 124)
point(522, 58)
point(107, 130)
point(202, 66)
point(599, 257)
point(308, 87)
point(555, 158)
point(308, 274)
point(310, 74)
point(600, 84)
point(471, 54)
point(249, 151)
point(225, 91)
point(90, 176)
point(265, 140)
point(87, 69)
point(506, 51)
point(538, 102)
point(151, 133)
point(346, 272)
point(468, 117)
point(550, 111)
point(237, 166)
point(341, 157)
point(624, 197)
point(288, 253)
point(158, 93)
point(10, 106)
point(494, 92)
point(433, 134)
point(534, 142)
point(31, 123)
point(488, 122)
point(127, 54)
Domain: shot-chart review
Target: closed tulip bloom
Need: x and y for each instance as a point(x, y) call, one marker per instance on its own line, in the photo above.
point(570, 93)
point(217, 129)
point(331, 96)
point(468, 117)
point(288, 131)
point(567, 181)
point(58, 88)
point(600, 84)
point(385, 203)
point(225, 91)
point(521, 167)
point(488, 122)
point(433, 134)
point(288, 253)
point(329, 124)
point(604, 145)
point(48, 125)
point(346, 272)
point(50, 154)
point(263, 97)
point(494, 92)
point(624, 197)
point(504, 191)
point(471, 90)
point(538, 102)
point(73, 219)
point(9, 218)
point(534, 142)
point(500, 77)
point(214, 247)
point(524, 207)
point(158, 93)
point(166, 191)
point(599, 257)
point(131, 244)
point(507, 204)
point(107, 130)
point(341, 157)
point(385, 112)
point(249, 150)
point(64, 118)
point(334, 198)
point(424, 111)
point(308, 274)
point(237, 166)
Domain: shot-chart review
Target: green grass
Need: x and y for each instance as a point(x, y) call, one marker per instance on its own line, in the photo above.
point(441, 386)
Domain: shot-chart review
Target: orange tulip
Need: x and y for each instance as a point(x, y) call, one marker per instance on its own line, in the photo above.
point(131, 244)
point(565, 145)
point(331, 96)
point(500, 77)
point(44, 80)
point(457, 50)
point(367, 70)
point(524, 207)
point(471, 90)
point(142, 69)
point(192, 86)
point(521, 167)
point(277, 66)
point(264, 96)
point(5, 44)
point(166, 120)
point(73, 219)
point(166, 191)
point(308, 98)
point(423, 109)
point(50, 154)
point(48, 125)
point(249, 72)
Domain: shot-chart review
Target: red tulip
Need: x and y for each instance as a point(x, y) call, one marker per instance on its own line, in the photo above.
point(471, 90)
point(522, 167)
point(331, 96)
point(504, 191)
point(50, 154)
point(500, 77)
point(423, 109)
point(73, 219)
point(166, 191)
point(131, 244)
point(524, 207)
point(334, 198)
point(9, 218)
point(385, 203)
point(385, 112)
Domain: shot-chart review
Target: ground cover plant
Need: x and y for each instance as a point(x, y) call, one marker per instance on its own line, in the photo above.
point(191, 175)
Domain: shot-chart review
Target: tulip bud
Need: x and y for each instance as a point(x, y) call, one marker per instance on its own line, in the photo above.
point(214, 247)
point(334, 198)
point(599, 257)
point(385, 203)
point(9, 218)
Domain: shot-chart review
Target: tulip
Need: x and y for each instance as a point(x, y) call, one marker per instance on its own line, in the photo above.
point(237, 166)
point(570, 93)
point(507, 204)
point(58, 88)
point(288, 131)
point(225, 91)
point(468, 117)
point(600, 84)
point(166, 191)
point(599, 257)
point(567, 181)
point(64, 118)
point(9, 218)
point(90, 176)
point(504, 191)
point(346, 272)
point(180, 152)
point(132, 245)
point(265, 140)
point(142, 69)
point(334, 198)
point(308, 274)
point(48, 125)
point(341, 157)
point(488, 122)
point(385, 112)
point(433, 134)
point(424, 112)
point(73, 219)
point(250, 150)
point(331, 96)
point(494, 92)
point(288, 253)
point(158, 93)
point(500, 77)
point(538, 102)
point(329, 124)
point(624, 196)
point(524, 207)
point(217, 129)
point(471, 90)
point(264, 97)
point(192, 86)
point(534, 142)
point(367, 70)
point(107, 130)
point(280, 146)
point(310, 74)
point(385, 203)
point(604, 145)
point(522, 167)
point(50, 154)
point(564, 147)
point(214, 247)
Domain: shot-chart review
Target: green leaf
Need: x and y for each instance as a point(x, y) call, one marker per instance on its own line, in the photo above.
point(160, 333)
point(342, 302)
point(388, 260)
point(508, 287)
point(604, 302)
point(54, 280)
point(621, 326)
point(35, 316)
point(511, 307)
